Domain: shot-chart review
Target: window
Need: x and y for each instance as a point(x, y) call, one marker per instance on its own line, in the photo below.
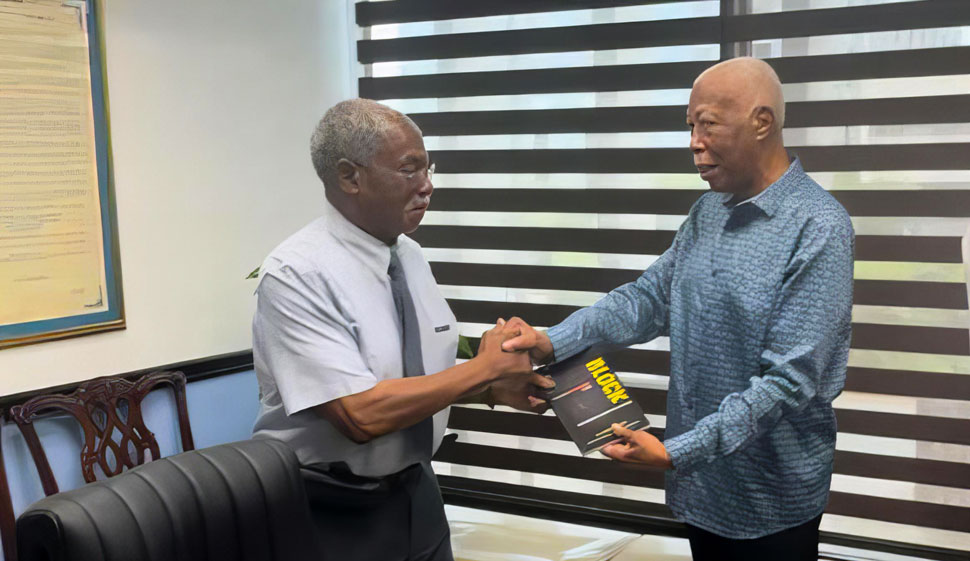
point(558, 130)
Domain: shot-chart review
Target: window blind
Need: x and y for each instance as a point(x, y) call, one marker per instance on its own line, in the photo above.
point(557, 128)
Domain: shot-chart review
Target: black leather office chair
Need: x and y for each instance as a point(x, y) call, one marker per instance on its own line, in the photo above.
point(238, 501)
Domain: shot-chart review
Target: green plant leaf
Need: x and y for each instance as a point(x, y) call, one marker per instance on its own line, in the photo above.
point(254, 274)
point(465, 348)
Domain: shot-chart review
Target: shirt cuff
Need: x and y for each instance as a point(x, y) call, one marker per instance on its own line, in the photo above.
point(565, 342)
point(687, 450)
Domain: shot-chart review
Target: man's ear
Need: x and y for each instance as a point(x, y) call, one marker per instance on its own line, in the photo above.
point(348, 176)
point(764, 121)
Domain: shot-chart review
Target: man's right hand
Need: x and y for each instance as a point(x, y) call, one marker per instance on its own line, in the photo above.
point(503, 364)
point(512, 388)
point(529, 339)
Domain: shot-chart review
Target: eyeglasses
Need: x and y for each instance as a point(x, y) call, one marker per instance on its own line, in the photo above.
point(428, 171)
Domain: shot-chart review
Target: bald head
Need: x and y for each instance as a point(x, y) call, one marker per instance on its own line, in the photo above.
point(736, 113)
point(746, 84)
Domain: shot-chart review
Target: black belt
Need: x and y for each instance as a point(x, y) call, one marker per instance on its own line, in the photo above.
point(340, 475)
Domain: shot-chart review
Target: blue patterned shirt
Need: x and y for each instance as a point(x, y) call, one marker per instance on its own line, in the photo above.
point(757, 302)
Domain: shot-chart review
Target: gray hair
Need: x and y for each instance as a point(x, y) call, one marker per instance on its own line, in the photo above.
point(353, 129)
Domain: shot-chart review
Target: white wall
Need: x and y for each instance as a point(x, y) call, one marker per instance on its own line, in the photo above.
point(212, 104)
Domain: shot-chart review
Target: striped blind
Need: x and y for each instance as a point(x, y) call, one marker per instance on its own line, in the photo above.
point(557, 128)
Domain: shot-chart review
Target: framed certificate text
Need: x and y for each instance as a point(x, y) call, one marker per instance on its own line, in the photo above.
point(59, 270)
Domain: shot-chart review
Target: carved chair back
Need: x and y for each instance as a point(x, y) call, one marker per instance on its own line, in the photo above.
point(7, 519)
point(109, 412)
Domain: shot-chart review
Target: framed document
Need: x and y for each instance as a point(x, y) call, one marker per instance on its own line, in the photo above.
point(59, 270)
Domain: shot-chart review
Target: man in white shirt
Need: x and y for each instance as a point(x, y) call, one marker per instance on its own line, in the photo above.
point(354, 346)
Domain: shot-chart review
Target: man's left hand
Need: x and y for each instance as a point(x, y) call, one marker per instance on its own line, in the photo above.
point(517, 392)
point(638, 446)
point(519, 395)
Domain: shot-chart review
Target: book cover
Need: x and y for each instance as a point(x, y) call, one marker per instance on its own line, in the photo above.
point(589, 398)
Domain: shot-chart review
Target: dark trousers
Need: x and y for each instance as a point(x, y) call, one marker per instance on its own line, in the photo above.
point(799, 543)
point(397, 518)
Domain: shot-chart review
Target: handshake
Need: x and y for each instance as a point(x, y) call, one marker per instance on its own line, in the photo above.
point(510, 350)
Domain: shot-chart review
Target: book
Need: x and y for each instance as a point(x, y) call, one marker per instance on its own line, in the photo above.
point(589, 398)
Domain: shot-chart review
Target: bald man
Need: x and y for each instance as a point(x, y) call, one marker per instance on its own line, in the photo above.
point(755, 294)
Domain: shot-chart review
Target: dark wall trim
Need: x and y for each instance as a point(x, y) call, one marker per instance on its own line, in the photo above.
point(194, 370)
point(214, 366)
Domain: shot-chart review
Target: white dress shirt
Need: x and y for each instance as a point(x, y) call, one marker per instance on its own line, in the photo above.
point(326, 327)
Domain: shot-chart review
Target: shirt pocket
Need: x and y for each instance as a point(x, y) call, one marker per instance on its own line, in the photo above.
point(439, 334)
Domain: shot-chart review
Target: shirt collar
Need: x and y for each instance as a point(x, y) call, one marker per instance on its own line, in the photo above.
point(375, 254)
point(726, 199)
point(773, 195)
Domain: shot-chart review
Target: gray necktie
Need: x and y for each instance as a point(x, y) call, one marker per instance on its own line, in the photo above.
point(421, 433)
